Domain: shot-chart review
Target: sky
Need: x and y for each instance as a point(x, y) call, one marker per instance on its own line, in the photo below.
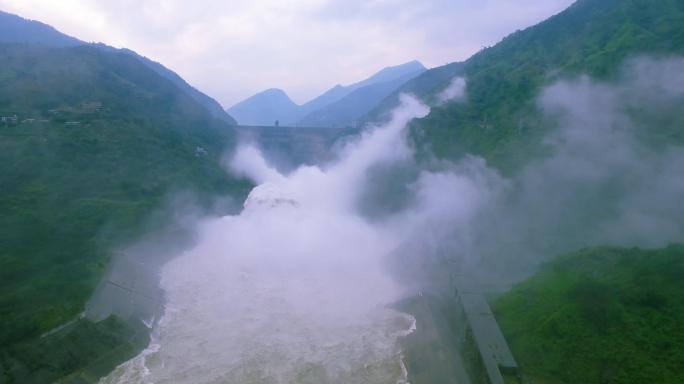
point(234, 49)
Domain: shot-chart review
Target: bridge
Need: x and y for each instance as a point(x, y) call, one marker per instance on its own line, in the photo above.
point(290, 147)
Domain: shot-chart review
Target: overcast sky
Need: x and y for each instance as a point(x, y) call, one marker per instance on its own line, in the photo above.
point(231, 49)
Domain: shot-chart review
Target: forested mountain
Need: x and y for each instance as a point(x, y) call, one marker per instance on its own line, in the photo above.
point(14, 29)
point(500, 120)
point(93, 141)
point(210, 104)
point(339, 106)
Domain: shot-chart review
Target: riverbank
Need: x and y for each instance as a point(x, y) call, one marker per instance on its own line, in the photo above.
point(430, 351)
point(80, 353)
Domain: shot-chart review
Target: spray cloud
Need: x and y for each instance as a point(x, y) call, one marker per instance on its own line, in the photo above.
point(613, 176)
point(297, 287)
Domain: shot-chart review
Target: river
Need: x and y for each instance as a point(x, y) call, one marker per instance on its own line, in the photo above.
point(294, 289)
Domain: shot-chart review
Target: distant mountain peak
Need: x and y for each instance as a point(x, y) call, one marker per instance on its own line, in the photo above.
point(394, 72)
point(265, 107)
point(267, 95)
point(274, 92)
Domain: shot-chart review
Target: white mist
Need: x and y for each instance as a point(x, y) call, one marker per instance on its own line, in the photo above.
point(292, 290)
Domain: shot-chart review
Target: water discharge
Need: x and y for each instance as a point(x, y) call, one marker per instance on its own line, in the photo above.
point(292, 290)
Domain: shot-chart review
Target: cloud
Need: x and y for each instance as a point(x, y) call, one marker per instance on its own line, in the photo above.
point(613, 176)
point(234, 49)
point(295, 284)
point(455, 91)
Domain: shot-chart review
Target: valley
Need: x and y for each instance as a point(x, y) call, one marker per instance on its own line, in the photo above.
point(512, 217)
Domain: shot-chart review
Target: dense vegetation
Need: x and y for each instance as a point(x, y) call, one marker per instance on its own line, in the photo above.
point(81, 353)
point(600, 315)
point(100, 140)
point(500, 120)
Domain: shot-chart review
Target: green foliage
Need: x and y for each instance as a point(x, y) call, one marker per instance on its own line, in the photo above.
point(101, 141)
point(81, 353)
point(600, 315)
point(500, 120)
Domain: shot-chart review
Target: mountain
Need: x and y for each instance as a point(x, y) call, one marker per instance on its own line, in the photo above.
point(591, 36)
point(95, 139)
point(387, 74)
point(347, 110)
point(328, 97)
point(94, 142)
point(599, 315)
point(392, 73)
point(210, 104)
point(15, 29)
point(426, 85)
point(265, 108)
point(268, 106)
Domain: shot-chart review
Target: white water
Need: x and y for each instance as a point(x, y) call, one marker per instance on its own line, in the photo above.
point(230, 323)
point(293, 290)
point(313, 314)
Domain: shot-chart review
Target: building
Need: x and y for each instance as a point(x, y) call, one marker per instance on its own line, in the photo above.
point(9, 119)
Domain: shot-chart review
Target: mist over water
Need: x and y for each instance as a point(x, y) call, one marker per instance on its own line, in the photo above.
point(299, 287)
point(295, 288)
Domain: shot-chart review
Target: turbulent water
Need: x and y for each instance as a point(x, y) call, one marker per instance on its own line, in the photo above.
point(275, 308)
point(292, 290)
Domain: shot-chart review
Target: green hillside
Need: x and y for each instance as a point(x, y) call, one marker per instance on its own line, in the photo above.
point(17, 30)
point(99, 141)
point(600, 315)
point(500, 121)
point(93, 140)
